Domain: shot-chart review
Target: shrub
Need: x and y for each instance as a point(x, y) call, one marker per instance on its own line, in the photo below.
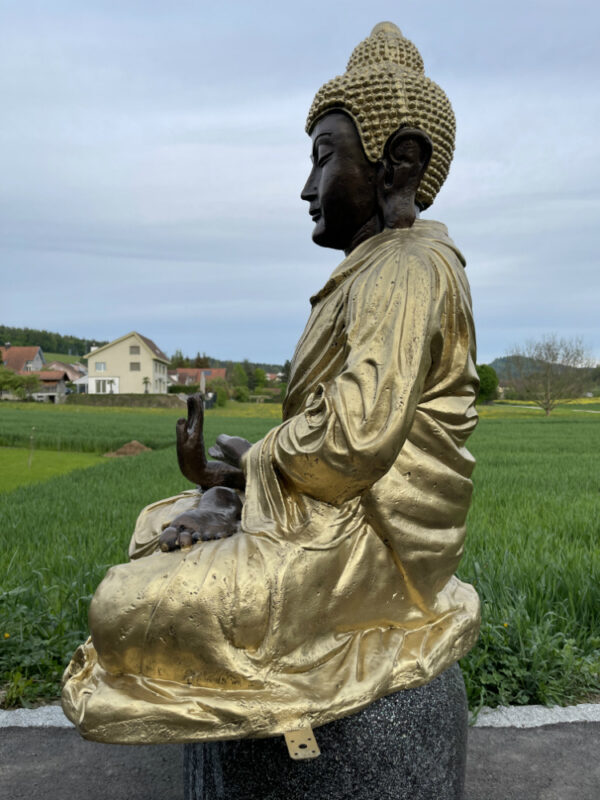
point(241, 394)
point(488, 383)
point(220, 388)
point(177, 388)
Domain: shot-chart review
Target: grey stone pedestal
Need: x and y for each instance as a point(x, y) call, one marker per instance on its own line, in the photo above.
point(408, 746)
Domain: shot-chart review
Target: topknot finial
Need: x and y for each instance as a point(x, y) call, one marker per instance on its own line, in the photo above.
point(386, 27)
point(386, 44)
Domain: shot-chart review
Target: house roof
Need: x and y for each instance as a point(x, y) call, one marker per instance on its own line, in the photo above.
point(74, 371)
point(193, 373)
point(50, 375)
point(155, 350)
point(15, 358)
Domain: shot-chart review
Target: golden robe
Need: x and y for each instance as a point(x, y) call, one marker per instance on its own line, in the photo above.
point(339, 589)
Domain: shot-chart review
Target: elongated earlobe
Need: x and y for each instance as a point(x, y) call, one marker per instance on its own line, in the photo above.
point(406, 156)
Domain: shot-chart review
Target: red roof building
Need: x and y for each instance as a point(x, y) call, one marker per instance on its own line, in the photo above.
point(22, 359)
point(186, 376)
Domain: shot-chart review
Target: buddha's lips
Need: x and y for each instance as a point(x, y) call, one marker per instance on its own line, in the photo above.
point(315, 213)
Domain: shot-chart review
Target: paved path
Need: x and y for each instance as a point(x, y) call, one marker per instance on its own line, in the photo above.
point(558, 761)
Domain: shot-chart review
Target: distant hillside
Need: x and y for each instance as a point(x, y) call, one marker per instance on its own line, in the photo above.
point(503, 366)
point(66, 358)
point(49, 342)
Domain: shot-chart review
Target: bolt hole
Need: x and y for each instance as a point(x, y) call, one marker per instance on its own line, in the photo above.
point(303, 746)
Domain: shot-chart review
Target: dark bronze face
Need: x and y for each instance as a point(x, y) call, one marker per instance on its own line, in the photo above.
point(341, 187)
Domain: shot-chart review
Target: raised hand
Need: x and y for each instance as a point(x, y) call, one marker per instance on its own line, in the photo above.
point(191, 453)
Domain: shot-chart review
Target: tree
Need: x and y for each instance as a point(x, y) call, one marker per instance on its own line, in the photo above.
point(179, 360)
point(249, 369)
point(488, 383)
point(201, 361)
point(18, 385)
point(549, 371)
point(260, 378)
point(9, 381)
point(239, 376)
point(30, 384)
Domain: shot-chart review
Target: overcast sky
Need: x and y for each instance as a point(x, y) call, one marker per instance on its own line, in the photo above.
point(152, 156)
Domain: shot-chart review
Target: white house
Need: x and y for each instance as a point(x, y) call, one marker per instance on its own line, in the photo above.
point(132, 364)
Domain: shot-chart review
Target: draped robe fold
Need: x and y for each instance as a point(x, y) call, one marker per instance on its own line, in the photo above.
point(340, 586)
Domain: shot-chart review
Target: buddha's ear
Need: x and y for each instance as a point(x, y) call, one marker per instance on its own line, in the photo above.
point(405, 157)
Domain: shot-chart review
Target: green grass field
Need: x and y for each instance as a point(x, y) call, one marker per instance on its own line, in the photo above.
point(20, 466)
point(532, 552)
point(532, 548)
point(99, 430)
point(64, 357)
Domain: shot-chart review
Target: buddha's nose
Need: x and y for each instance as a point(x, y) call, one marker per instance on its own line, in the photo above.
point(310, 188)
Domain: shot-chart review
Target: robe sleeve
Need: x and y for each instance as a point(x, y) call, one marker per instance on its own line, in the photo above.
point(352, 427)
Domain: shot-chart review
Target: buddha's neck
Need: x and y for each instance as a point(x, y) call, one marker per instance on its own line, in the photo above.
point(375, 225)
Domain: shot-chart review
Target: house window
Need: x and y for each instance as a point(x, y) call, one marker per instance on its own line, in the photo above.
point(134, 366)
point(100, 366)
point(100, 387)
point(134, 349)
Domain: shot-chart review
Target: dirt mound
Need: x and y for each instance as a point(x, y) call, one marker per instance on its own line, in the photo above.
point(133, 448)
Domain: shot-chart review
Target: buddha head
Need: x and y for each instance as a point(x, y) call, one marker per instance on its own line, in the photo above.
point(382, 142)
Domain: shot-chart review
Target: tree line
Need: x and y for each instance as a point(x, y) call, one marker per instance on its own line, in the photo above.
point(49, 342)
point(201, 360)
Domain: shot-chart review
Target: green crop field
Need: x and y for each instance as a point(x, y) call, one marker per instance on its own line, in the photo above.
point(64, 357)
point(532, 552)
point(101, 429)
point(532, 548)
point(83, 428)
point(20, 466)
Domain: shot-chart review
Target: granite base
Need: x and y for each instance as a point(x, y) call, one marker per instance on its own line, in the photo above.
point(408, 746)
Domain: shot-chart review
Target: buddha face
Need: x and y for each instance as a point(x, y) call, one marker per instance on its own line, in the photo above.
point(341, 188)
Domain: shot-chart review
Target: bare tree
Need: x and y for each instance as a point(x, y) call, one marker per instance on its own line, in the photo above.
point(549, 371)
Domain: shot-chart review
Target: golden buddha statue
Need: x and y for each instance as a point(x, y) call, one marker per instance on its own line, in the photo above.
point(315, 572)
